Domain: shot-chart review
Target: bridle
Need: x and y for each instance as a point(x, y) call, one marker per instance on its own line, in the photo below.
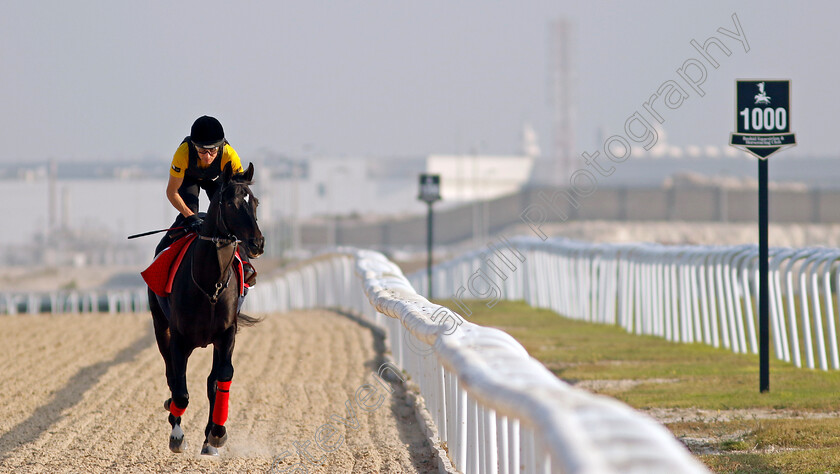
point(225, 240)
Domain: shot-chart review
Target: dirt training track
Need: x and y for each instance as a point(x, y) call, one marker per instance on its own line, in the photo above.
point(86, 395)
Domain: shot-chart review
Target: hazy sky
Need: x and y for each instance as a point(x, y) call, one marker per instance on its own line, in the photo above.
point(120, 80)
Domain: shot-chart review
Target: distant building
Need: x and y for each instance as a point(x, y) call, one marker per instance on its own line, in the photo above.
point(473, 177)
point(381, 186)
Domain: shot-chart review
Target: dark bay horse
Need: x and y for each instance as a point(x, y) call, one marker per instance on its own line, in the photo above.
point(204, 306)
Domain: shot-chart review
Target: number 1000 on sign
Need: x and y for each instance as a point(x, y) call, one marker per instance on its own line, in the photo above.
point(763, 119)
point(763, 107)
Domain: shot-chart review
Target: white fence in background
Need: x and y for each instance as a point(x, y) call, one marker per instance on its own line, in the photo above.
point(706, 294)
point(75, 301)
point(497, 409)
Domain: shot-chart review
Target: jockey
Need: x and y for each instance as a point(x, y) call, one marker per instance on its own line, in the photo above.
point(197, 164)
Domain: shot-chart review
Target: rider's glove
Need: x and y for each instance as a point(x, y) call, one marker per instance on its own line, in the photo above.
point(193, 223)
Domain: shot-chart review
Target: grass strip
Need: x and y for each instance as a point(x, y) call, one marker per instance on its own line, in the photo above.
point(708, 397)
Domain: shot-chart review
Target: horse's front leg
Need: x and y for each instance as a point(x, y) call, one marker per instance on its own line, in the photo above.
point(207, 449)
point(177, 405)
point(161, 325)
point(218, 392)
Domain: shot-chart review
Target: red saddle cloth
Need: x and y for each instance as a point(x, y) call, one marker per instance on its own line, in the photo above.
point(161, 272)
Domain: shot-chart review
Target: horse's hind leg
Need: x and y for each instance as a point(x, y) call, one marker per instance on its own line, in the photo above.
point(177, 405)
point(218, 387)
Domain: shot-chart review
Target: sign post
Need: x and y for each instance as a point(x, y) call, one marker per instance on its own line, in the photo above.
point(762, 124)
point(429, 193)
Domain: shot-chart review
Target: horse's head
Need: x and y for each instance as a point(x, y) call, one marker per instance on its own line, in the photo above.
point(235, 212)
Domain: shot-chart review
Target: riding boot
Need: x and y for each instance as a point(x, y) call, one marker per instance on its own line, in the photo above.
point(250, 273)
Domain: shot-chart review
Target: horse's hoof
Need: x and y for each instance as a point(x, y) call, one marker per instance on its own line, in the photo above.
point(177, 443)
point(208, 450)
point(166, 404)
point(215, 439)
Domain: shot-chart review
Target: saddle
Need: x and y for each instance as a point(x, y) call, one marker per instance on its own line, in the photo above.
point(161, 273)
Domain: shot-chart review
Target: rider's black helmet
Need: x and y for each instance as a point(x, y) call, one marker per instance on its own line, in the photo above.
point(207, 132)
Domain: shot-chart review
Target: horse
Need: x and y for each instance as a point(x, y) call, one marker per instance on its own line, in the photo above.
point(761, 97)
point(204, 306)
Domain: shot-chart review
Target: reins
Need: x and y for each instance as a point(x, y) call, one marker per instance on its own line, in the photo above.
point(220, 243)
point(219, 285)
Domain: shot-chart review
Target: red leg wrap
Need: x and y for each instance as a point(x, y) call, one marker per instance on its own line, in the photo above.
point(175, 409)
point(220, 408)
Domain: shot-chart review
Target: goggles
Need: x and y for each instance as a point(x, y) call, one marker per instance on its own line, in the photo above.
point(207, 151)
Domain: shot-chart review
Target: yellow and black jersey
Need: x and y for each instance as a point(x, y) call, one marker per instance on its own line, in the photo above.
point(185, 163)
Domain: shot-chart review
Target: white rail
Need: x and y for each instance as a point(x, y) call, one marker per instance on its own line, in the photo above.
point(73, 301)
point(497, 409)
point(705, 294)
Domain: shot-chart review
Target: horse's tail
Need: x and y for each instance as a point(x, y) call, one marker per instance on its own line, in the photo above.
point(243, 320)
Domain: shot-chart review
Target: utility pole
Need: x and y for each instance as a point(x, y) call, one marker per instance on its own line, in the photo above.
point(429, 193)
